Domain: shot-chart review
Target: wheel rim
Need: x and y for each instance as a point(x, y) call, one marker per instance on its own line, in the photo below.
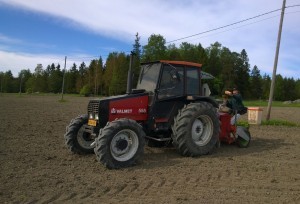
point(84, 139)
point(202, 130)
point(124, 145)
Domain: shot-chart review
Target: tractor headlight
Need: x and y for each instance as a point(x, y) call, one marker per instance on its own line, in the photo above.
point(91, 116)
point(96, 116)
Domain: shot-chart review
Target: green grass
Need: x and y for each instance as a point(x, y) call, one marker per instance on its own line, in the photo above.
point(274, 122)
point(279, 123)
point(243, 123)
point(261, 103)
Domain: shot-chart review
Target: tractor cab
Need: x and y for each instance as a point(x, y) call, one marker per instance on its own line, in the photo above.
point(165, 80)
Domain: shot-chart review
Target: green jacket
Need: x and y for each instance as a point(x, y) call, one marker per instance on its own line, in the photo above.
point(235, 102)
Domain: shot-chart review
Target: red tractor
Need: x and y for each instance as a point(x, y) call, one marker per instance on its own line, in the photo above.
point(168, 106)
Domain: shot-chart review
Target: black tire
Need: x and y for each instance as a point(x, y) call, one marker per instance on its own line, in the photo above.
point(196, 129)
point(76, 139)
point(120, 144)
point(241, 142)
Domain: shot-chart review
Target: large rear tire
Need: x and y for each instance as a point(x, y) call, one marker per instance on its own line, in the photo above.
point(76, 138)
point(120, 144)
point(196, 129)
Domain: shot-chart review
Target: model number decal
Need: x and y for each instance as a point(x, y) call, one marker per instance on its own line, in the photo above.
point(142, 110)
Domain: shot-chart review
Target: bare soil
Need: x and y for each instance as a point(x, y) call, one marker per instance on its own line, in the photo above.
point(36, 167)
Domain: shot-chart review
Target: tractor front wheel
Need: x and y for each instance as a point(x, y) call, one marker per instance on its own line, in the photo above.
point(76, 138)
point(196, 129)
point(120, 143)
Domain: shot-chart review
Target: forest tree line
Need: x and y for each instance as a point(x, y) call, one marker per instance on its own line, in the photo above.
point(230, 69)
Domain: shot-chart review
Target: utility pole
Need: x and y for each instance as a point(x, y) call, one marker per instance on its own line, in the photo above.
point(63, 82)
point(275, 62)
point(2, 75)
point(21, 76)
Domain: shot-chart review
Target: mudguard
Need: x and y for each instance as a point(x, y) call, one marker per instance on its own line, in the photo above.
point(241, 132)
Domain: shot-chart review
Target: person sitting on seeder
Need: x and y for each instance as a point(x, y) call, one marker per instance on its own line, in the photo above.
point(235, 104)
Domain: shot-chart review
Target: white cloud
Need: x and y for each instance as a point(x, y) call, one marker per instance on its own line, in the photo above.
point(121, 19)
point(172, 19)
point(6, 39)
point(18, 61)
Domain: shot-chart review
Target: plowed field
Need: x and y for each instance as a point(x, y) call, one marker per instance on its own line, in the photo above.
point(36, 167)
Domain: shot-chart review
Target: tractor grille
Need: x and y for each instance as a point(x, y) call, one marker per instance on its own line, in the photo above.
point(93, 107)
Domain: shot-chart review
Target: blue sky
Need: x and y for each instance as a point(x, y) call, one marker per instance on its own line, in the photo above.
point(35, 31)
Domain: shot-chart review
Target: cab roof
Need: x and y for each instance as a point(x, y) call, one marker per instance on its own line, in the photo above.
point(184, 63)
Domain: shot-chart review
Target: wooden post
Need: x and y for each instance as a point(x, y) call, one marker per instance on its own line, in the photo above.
point(275, 62)
point(63, 82)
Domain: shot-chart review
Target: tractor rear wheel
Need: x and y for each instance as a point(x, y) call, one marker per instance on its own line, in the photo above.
point(120, 143)
point(196, 129)
point(76, 138)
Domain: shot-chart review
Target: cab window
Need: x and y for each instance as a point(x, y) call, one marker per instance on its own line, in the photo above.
point(172, 82)
point(192, 81)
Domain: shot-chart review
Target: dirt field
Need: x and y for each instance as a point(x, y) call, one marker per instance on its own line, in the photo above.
point(36, 167)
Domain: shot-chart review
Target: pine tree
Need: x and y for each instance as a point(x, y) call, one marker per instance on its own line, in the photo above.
point(7, 82)
point(136, 59)
point(188, 52)
point(201, 55)
point(297, 89)
point(119, 75)
point(279, 88)
point(82, 72)
point(173, 52)
point(55, 79)
point(256, 88)
point(155, 49)
point(99, 80)
point(111, 64)
point(213, 63)
point(241, 71)
point(39, 83)
point(70, 79)
point(24, 75)
point(227, 64)
point(137, 46)
point(92, 72)
point(266, 84)
point(289, 89)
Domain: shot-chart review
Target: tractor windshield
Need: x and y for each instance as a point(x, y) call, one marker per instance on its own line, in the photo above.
point(148, 77)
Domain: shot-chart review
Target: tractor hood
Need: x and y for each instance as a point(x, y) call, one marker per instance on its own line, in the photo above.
point(132, 106)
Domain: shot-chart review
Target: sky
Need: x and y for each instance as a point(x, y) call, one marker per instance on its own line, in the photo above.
point(45, 31)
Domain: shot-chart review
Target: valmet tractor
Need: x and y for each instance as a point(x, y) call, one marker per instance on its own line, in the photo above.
point(166, 106)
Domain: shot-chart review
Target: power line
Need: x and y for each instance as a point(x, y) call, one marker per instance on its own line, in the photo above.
point(292, 6)
point(292, 12)
point(208, 31)
point(236, 27)
point(221, 27)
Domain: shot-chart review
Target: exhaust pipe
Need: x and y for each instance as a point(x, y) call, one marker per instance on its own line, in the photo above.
point(129, 77)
